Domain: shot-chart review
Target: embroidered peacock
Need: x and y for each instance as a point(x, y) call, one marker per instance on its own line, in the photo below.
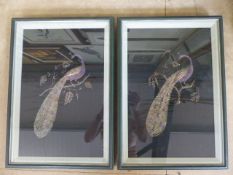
point(46, 115)
point(156, 120)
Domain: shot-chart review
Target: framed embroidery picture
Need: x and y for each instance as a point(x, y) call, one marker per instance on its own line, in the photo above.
point(172, 111)
point(61, 93)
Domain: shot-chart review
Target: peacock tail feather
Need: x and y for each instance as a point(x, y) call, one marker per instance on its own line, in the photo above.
point(156, 120)
point(46, 115)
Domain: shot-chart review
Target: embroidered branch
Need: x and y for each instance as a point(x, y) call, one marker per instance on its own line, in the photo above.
point(68, 86)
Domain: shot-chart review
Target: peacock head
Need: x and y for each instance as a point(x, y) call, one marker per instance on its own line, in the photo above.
point(78, 60)
point(184, 61)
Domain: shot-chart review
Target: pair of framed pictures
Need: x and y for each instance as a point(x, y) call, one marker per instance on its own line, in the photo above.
point(170, 93)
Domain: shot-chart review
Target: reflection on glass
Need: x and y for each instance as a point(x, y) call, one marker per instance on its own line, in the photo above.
point(170, 99)
point(62, 93)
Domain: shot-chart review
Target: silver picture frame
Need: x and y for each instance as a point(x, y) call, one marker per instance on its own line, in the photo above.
point(84, 141)
point(177, 131)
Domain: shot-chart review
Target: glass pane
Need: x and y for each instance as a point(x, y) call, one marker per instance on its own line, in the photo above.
point(170, 96)
point(62, 93)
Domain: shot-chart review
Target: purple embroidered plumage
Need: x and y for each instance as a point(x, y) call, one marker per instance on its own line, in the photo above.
point(77, 74)
point(190, 68)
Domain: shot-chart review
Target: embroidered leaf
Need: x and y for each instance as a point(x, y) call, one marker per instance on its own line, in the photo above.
point(43, 80)
point(68, 97)
point(195, 97)
point(88, 84)
point(48, 74)
point(76, 96)
point(65, 65)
